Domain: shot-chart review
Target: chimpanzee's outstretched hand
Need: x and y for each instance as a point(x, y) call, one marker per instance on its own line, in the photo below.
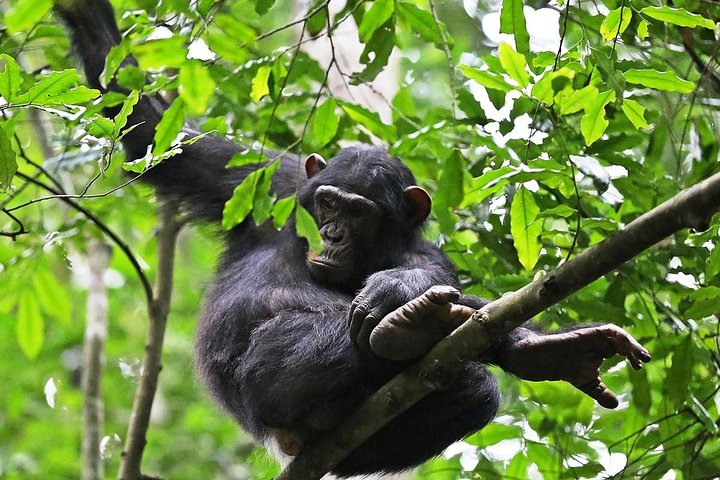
point(411, 330)
point(574, 356)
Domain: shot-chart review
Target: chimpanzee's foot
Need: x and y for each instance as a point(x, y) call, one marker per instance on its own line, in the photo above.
point(411, 330)
point(575, 357)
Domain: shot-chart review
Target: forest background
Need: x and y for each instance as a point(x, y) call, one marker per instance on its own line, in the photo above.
point(538, 130)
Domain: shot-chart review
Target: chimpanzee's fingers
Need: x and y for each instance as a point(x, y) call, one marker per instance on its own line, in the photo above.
point(358, 312)
point(626, 345)
point(368, 325)
point(599, 391)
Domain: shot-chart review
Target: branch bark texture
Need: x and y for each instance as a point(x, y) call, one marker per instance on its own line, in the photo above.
point(158, 308)
point(691, 208)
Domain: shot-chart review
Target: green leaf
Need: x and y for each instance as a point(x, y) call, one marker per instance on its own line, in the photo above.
point(705, 302)
point(262, 6)
point(8, 162)
point(196, 86)
point(486, 78)
point(281, 211)
point(420, 21)
point(678, 16)
point(306, 228)
point(680, 373)
point(30, 327)
point(170, 124)
point(120, 119)
point(325, 123)
point(524, 229)
point(450, 184)
point(369, 120)
point(163, 52)
point(114, 59)
point(26, 13)
point(514, 64)
point(512, 20)
point(613, 26)
point(263, 198)
point(240, 204)
point(101, 127)
point(593, 122)
point(379, 13)
point(10, 78)
point(642, 30)
point(667, 81)
point(381, 45)
point(713, 264)
point(51, 296)
point(260, 83)
point(572, 101)
point(635, 113)
point(58, 88)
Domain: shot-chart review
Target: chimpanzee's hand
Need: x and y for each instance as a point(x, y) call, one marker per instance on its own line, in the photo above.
point(410, 331)
point(575, 357)
point(383, 292)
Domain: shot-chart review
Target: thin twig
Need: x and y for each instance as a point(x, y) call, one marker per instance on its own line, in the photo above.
point(158, 308)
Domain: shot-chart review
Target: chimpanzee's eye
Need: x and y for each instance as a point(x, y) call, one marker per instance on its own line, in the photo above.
point(356, 210)
point(325, 203)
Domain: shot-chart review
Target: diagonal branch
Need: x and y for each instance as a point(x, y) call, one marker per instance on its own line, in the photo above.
point(691, 208)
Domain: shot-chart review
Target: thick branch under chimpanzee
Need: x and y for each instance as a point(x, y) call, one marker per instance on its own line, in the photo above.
point(691, 208)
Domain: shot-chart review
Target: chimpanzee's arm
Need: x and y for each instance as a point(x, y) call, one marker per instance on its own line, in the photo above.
point(420, 268)
point(197, 177)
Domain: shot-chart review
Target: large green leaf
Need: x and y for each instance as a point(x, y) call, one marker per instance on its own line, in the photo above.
point(196, 86)
point(10, 78)
point(26, 13)
point(512, 20)
point(260, 86)
point(514, 64)
point(325, 123)
point(8, 162)
point(57, 88)
point(486, 78)
point(30, 325)
point(593, 123)
point(667, 81)
point(170, 124)
point(379, 13)
point(635, 113)
point(421, 22)
point(306, 228)
point(678, 16)
point(524, 228)
point(369, 120)
point(614, 25)
point(239, 206)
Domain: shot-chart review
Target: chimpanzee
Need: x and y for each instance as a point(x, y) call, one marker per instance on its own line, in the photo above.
point(290, 342)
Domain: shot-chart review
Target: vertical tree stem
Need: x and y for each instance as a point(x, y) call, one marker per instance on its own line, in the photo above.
point(157, 312)
point(96, 326)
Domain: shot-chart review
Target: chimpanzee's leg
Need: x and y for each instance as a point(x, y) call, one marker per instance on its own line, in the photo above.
point(429, 426)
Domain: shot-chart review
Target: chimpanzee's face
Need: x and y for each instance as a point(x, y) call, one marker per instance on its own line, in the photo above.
point(349, 225)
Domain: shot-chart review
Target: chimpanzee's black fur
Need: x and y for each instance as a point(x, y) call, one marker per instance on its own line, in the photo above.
point(272, 343)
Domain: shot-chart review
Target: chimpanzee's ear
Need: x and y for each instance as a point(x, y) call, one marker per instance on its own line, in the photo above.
point(314, 164)
point(420, 204)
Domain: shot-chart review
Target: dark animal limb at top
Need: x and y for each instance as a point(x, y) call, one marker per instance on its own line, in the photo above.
point(691, 208)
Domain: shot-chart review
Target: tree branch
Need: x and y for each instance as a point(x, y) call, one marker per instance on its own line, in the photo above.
point(96, 328)
point(691, 208)
point(158, 308)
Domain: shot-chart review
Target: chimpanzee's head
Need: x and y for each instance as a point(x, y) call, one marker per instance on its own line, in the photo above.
point(368, 209)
